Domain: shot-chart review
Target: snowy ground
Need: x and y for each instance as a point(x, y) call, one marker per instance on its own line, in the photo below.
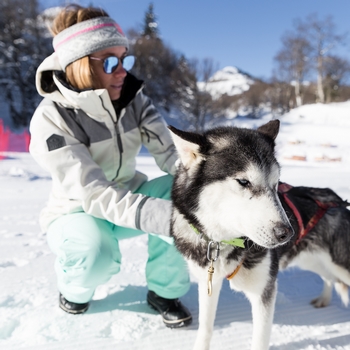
point(119, 317)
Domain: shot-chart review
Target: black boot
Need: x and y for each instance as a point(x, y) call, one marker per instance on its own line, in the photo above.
point(174, 314)
point(72, 308)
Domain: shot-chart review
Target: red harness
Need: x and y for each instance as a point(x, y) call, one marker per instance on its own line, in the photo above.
point(283, 189)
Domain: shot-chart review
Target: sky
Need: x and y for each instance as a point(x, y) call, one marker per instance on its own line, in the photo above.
point(119, 317)
point(241, 33)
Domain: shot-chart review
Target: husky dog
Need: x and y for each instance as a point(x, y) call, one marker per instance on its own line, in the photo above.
point(227, 219)
point(225, 189)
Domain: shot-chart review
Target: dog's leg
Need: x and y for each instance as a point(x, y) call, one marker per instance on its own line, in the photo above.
point(263, 307)
point(343, 291)
point(325, 298)
point(207, 311)
point(331, 274)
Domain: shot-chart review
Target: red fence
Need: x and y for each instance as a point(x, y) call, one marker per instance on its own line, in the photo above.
point(12, 142)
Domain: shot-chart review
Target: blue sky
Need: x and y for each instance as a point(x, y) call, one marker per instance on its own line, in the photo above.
point(241, 33)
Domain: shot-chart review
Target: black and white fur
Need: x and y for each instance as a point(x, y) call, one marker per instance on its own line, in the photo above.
point(226, 187)
point(325, 249)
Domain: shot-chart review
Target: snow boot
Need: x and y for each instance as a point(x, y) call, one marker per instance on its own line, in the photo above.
point(72, 308)
point(174, 314)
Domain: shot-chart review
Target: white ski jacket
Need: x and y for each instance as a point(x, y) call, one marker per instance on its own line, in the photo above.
point(91, 152)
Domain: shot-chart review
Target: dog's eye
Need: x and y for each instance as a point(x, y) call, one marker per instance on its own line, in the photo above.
point(243, 182)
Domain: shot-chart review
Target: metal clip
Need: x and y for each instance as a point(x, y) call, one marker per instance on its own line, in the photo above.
point(210, 278)
point(217, 251)
point(211, 267)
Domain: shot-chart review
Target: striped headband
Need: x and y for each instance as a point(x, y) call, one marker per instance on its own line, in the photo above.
point(87, 37)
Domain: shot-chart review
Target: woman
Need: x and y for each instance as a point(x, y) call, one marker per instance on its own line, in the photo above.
point(87, 132)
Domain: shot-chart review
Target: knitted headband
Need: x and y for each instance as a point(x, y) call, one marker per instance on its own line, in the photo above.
point(87, 37)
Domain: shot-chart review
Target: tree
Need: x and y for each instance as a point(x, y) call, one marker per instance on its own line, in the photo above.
point(202, 107)
point(336, 70)
point(184, 87)
point(323, 39)
point(293, 62)
point(308, 49)
point(168, 77)
point(23, 47)
point(154, 64)
point(255, 100)
point(154, 60)
point(150, 25)
point(280, 96)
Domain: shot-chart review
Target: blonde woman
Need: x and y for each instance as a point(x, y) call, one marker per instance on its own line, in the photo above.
point(87, 132)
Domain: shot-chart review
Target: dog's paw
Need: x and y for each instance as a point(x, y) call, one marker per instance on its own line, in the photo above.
point(320, 302)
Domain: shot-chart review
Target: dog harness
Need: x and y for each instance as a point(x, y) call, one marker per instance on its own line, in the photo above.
point(283, 189)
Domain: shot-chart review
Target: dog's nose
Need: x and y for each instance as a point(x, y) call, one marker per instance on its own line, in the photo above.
point(283, 233)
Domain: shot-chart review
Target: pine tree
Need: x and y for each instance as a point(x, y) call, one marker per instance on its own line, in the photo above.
point(150, 26)
point(23, 46)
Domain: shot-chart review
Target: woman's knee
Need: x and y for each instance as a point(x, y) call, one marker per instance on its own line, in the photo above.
point(85, 246)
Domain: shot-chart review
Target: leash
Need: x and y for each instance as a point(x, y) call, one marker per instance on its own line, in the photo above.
point(236, 242)
point(283, 189)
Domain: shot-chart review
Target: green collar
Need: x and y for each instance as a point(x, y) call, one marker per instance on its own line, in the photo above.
point(236, 242)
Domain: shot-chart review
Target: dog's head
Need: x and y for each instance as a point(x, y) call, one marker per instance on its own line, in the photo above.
point(226, 184)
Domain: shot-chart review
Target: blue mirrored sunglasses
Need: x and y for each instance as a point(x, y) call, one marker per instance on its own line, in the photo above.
point(111, 63)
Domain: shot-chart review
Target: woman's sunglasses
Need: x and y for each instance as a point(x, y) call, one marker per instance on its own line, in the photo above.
point(111, 63)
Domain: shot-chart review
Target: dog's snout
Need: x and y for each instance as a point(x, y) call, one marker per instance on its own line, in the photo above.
point(283, 233)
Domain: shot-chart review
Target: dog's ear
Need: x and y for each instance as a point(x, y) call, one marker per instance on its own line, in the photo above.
point(270, 129)
point(188, 146)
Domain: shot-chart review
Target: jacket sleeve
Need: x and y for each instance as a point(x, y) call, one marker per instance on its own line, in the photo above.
point(155, 134)
point(76, 177)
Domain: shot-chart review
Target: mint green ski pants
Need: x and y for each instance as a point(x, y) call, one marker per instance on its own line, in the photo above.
point(87, 252)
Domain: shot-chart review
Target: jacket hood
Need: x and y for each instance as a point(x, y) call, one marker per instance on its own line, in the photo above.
point(44, 78)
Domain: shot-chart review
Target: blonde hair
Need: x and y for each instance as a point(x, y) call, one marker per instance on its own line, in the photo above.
point(79, 73)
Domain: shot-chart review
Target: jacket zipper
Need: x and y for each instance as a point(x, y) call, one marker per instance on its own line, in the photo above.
point(119, 140)
point(120, 147)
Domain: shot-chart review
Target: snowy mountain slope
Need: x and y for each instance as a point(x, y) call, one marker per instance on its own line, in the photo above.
point(229, 80)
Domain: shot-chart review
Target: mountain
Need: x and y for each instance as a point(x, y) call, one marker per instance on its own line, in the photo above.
point(229, 80)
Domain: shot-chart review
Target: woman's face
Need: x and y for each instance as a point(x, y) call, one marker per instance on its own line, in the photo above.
point(112, 82)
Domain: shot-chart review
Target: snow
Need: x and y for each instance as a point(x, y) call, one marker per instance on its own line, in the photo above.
point(119, 317)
